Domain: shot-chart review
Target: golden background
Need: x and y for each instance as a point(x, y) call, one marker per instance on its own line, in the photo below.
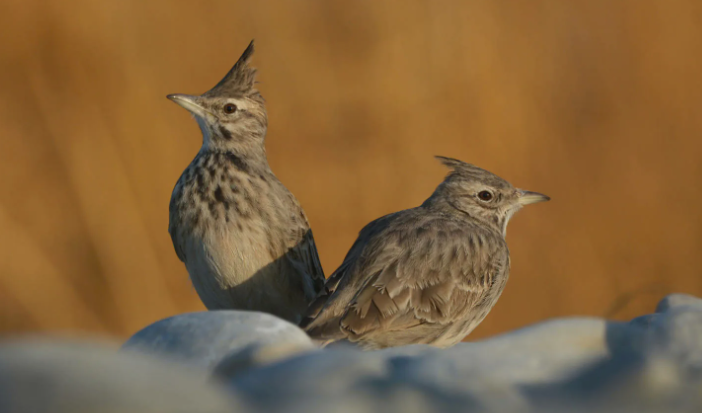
point(595, 103)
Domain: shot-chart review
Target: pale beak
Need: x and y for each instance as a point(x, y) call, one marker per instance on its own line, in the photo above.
point(529, 197)
point(189, 102)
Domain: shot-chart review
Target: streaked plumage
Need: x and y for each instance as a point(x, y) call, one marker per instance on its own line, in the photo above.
point(243, 237)
point(426, 275)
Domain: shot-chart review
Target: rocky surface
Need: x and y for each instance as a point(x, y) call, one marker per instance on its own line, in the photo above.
point(185, 363)
point(57, 376)
point(205, 339)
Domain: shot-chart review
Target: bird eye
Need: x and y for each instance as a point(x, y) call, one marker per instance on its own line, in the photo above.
point(485, 196)
point(229, 108)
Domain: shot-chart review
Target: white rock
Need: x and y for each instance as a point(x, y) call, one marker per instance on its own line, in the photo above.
point(678, 300)
point(651, 364)
point(41, 375)
point(570, 364)
point(256, 355)
point(677, 333)
point(204, 339)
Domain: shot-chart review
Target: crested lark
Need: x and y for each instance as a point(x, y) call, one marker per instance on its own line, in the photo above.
point(426, 275)
point(242, 235)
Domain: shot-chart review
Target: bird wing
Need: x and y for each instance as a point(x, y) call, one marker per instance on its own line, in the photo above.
point(430, 273)
point(305, 257)
point(314, 316)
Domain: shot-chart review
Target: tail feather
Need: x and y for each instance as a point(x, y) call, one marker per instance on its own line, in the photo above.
point(314, 309)
point(317, 306)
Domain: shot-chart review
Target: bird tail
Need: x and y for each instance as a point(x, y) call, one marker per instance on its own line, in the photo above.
point(318, 304)
point(313, 310)
point(322, 326)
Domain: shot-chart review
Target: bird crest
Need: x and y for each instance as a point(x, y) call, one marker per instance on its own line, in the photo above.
point(463, 170)
point(240, 79)
point(460, 167)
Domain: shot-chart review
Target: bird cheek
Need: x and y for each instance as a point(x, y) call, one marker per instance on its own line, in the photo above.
point(215, 118)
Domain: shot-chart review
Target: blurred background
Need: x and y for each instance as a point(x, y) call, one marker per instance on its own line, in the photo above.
point(594, 103)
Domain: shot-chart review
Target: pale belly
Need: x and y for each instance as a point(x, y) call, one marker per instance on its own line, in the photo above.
point(231, 272)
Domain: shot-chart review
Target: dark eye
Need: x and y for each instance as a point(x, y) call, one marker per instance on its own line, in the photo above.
point(229, 108)
point(485, 196)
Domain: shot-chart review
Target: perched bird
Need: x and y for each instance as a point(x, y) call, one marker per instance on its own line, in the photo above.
point(426, 275)
point(243, 237)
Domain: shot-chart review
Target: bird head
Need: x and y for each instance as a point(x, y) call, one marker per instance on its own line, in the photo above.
point(231, 115)
point(481, 194)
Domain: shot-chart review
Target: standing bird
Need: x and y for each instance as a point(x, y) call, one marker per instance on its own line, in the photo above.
point(242, 235)
point(426, 275)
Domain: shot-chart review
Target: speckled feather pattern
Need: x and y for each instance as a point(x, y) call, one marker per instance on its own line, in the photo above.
point(243, 237)
point(420, 277)
point(426, 275)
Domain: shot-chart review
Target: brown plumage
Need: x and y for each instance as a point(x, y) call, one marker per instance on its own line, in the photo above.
point(426, 275)
point(242, 235)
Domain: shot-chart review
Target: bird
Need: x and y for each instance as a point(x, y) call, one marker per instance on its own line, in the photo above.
point(243, 236)
point(425, 275)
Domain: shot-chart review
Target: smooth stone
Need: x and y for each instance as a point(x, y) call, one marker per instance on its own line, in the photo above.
point(652, 363)
point(626, 383)
point(645, 321)
point(256, 355)
point(540, 354)
point(677, 333)
point(60, 376)
point(678, 300)
point(340, 380)
point(204, 339)
point(494, 373)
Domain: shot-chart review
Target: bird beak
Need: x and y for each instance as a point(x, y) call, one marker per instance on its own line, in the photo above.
point(189, 102)
point(529, 197)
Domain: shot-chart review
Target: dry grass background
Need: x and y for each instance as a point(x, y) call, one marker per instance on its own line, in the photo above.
point(595, 103)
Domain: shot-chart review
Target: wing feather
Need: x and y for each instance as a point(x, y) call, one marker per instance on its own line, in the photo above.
point(407, 276)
